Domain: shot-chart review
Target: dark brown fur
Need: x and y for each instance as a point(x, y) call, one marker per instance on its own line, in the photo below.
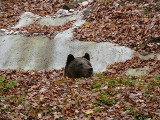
point(78, 67)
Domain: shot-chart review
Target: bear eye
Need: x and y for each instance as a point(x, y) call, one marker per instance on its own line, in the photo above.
point(80, 64)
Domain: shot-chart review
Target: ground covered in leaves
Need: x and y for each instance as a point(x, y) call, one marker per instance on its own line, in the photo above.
point(10, 10)
point(127, 23)
point(47, 95)
point(152, 66)
point(112, 95)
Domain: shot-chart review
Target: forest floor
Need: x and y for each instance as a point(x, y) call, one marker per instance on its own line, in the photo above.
point(109, 95)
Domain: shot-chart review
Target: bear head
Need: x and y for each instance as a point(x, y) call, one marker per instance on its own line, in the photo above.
point(77, 67)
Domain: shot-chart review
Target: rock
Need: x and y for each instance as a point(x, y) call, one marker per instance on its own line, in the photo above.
point(137, 71)
point(38, 52)
point(85, 3)
point(71, 10)
point(20, 107)
point(26, 18)
point(90, 1)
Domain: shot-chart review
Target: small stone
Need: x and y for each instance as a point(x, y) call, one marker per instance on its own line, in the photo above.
point(17, 32)
point(39, 115)
point(90, 1)
point(71, 10)
point(10, 32)
point(2, 30)
point(85, 3)
point(105, 87)
point(20, 107)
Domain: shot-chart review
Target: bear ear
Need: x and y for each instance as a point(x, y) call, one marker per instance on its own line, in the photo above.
point(86, 56)
point(69, 59)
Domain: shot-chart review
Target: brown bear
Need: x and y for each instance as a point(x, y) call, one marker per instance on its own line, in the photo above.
point(77, 67)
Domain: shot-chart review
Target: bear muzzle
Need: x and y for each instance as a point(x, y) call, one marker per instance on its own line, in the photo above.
point(90, 72)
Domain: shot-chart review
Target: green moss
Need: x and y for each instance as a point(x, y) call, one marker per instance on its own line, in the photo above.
point(148, 92)
point(110, 92)
point(128, 82)
point(155, 98)
point(96, 84)
point(5, 85)
point(157, 77)
point(154, 83)
point(99, 109)
point(107, 101)
point(4, 110)
point(20, 100)
point(100, 75)
point(113, 83)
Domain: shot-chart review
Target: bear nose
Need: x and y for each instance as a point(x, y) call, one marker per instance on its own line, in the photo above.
point(90, 70)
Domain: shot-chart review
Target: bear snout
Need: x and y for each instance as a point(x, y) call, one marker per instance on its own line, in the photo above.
point(90, 71)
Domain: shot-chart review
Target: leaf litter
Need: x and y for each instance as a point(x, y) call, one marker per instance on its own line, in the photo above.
point(49, 95)
point(110, 95)
point(126, 23)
